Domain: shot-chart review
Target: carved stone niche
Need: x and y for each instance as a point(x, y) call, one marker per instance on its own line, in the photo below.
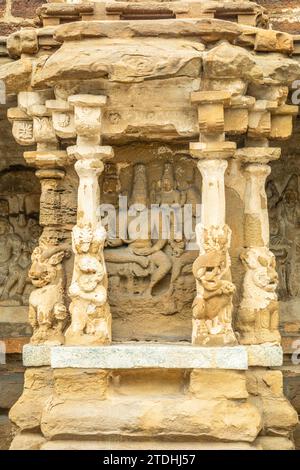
point(151, 285)
point(19, 233)
point(283, 191)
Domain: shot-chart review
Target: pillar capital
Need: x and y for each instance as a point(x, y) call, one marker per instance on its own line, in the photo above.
point(90, 152)
point(258, 155)
point(88, 116)
point(212, 150)
point(48, 159)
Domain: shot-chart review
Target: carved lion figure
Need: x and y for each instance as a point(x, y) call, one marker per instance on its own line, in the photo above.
point(212, 306)
point(258, 316)
point(47, 311)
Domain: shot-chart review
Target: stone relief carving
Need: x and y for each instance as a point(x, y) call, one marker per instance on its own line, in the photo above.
point(212, 306)
point(89, 307)
point(258, 317)
point(19, 234)
point(150, 273)
point(47, 311)
point(284, 216)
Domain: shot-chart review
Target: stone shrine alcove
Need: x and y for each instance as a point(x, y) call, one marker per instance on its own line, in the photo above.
point(19, 234)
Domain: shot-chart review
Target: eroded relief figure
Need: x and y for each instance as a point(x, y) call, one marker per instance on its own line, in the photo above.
point(47, 311)
point(10, 250)
point(151, 265)
point(284, 213)
point(258, 316)
point(212, 305)
point(17, 278)
point(88, 290)
point(145, 253)
point(19, 234)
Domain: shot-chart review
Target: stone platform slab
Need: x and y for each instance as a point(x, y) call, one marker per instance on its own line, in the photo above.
point(153, 355)
point(141, 356)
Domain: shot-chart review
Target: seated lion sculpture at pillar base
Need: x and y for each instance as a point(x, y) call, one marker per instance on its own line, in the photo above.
point(258, 315)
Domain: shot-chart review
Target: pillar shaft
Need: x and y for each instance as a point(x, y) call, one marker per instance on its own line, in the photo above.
point(213, 192)
point(91, 318)
point(258, 314)
point(212, 307)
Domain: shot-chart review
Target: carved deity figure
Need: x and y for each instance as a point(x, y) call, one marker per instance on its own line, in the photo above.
point(258, 316)
point(142, 256)
point(212, 307)
point(18, 278)
point(89, 308)
point(10, 250)
point(284, 213)
point(168, 194)
point(47, 311)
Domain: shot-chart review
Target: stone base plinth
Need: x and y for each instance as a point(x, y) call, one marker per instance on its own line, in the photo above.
point(151, 397)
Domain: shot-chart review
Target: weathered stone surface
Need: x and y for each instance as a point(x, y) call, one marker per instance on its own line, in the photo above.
point(264, 383)
point(11, 386)
point(296, 436)
point(212, 384)
point(129, 63)
point(209, 30)
point(265, 387)
point(228, 61)
point(278, 70)
point(2, 7)
point(268, 355)
point(35, 356)
point(26, 413)
point(25, 9)
point(80, 384)
point(204, 419)
point(27, 441)
point(16, 75)
point(5, 432)
point(126, 356)
point(278, 415)
point(145, 445)
point(275, 443)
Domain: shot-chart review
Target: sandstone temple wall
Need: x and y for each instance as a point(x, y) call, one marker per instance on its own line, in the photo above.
point(160, 161)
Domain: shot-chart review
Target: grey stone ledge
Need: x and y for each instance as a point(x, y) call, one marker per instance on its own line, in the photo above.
point(36, 356)
point(150, 355)
point(266, 355)
point(153, 355)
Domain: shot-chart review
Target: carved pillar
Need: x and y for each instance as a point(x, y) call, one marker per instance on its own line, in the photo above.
point(258, 315)
point(91, 318)
point(32, 123)
point(212, 307)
